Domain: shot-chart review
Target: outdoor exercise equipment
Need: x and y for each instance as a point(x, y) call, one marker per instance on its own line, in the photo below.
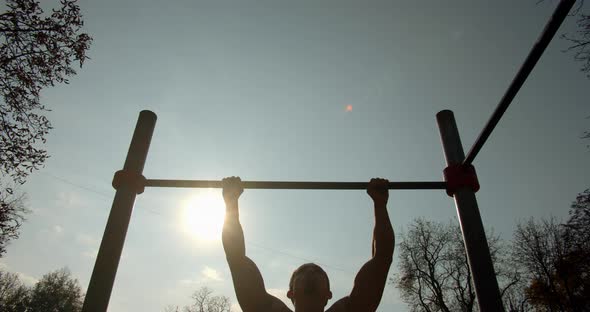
point(460, 183)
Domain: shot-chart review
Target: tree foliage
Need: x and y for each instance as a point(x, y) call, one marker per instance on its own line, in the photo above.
point(56, 291)
point(14, 295)
point(555, 268)
point(434, 272)
point(203, 300)
point(580, 41)
point(37, 50)
point(12, 212)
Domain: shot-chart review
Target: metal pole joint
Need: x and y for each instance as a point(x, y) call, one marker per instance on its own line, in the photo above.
point(460, 177)
point(129, 179)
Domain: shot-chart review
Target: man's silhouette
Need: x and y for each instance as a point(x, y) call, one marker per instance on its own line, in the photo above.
point(309, 287)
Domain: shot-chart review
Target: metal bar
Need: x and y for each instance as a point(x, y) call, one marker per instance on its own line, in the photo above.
point(550, 29)
point(474, 237)
point(281, 185)
point(111, 246)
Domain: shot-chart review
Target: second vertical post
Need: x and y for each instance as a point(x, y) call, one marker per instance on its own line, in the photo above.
point(474, 237)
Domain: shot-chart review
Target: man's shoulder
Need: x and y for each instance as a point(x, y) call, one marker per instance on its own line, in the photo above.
point(339, 306)
point(276, 305)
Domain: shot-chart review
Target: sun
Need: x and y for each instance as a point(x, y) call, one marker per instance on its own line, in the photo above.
point(203, 214)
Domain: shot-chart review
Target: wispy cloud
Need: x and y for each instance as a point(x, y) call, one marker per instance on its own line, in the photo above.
point(57, 229)
point(91, 253)
point(25, 278)
point(212, 274)
point(90, 243)
point(208, 274)
point(69, 199)
point(87, 240)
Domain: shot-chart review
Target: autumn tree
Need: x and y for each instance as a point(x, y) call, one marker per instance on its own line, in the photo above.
point(37, 50)
point(56, 291)
point(552, 266)
point(433, 270)
point(14, 295)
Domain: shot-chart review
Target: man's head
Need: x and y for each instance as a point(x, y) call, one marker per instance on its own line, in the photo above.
point(309, 286)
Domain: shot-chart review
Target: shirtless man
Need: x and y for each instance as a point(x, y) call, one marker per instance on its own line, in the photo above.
point(309, 287)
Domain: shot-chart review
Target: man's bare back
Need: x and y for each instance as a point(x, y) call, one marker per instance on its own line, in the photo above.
point(309, 288)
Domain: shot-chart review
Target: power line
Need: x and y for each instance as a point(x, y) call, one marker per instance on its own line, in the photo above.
point(251, 243)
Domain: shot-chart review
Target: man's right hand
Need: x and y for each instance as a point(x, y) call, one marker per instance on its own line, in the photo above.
point(378, 190)
point(232, 189)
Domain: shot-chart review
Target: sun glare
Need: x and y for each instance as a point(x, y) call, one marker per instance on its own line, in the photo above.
point(202, 215)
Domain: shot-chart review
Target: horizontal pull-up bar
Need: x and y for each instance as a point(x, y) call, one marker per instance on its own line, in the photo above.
point(282, 185)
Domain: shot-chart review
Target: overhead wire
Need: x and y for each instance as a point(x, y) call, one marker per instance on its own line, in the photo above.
point(249, 242)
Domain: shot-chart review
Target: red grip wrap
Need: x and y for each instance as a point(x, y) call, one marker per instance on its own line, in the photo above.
point(131, 179)
point(460, 176)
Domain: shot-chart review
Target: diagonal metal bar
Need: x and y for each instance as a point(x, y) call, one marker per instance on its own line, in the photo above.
point(299, 185)
point(551, 28)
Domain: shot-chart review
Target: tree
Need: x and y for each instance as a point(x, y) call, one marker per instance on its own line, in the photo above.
point(12, 212)
point(580, 41)
point(56, 291)
point(14, 294)
point(36, 51)
point(579, 221)
point(204, 301)
point(434, 272)
point(171, 308)
point(552, 265)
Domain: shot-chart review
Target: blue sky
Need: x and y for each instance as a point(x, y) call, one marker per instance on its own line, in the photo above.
point(259, 89)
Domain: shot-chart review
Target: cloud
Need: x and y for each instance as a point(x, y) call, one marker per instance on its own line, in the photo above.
point(25, 278)
point(69, 199)
point(90, 243)
point(91, 253)
point(87, 240)
point(54, 233)
point(58, 229)
point(210, 273)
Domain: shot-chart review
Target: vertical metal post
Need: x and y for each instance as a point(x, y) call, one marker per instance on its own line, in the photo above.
point(474, 237)
point(111, 246)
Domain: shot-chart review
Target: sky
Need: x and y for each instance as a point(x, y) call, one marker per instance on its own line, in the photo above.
point(294, 91)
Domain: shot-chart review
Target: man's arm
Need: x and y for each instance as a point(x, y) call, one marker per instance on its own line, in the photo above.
point(248, 282)
point(370, 280)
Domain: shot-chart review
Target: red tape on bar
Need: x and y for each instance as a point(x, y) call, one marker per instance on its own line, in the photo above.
point(460, 177)
point(130, 179)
